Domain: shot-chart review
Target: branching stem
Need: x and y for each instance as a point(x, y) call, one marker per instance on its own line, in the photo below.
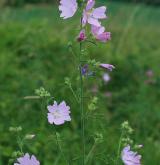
point(59, 146)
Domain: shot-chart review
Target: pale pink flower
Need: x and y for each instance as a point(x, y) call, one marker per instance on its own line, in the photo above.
point(27, 160)
point(100, 34)
point(129, 157)
point(68, 8)
point(58, 114)
point(107, 66)
point(82, 35)
point(92, 15)
point(106, 77)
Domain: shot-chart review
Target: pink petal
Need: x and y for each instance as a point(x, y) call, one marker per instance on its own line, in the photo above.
point(58, 121)
point(50, 118)
point(63, 107)
point(34, 160)
point(94, 21)
point(52, 108)
point(107, 66)
point(84, 18)
point(90, 4)
point(67, 118)
point(104, 37)
point(97, 30)
point(68, 8)
point(99, 33)
point(99, 13)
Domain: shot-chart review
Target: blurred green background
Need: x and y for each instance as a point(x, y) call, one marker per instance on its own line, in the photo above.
point(23, 2)
point(34, 53)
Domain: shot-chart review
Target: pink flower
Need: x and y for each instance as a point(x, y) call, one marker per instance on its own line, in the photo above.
point(129, 157)
point(58, 114)
point(107, 66)
point(100, 34)
point(27, 160)
point(68, 8)
point(106, 77)
point(92, 15)
point(82, 36)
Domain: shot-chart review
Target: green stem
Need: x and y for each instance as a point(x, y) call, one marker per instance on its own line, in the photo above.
point(119, 148)
point(82, 107)
point(74, 94)
point(20, 143)
point(82, 94)
point(59, 146)
point(90, 153)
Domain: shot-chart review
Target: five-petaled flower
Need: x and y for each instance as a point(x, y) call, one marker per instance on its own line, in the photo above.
point(107, 66)
point(129, 157)
point(92, 15)
point(68, 8)
point(100, 34)
point(58, 114)
point(27, 160)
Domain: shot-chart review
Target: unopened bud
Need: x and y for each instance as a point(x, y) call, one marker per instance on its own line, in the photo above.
point(29, 136)
point(15, 129)
point(82, 36)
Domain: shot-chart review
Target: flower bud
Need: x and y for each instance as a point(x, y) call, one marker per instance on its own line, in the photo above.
point(82, 36)
point(98, 138)
point(15, 129)
point(29, 136)
point(42, 92)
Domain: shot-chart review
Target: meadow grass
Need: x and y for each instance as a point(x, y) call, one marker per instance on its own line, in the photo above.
point(34, 53)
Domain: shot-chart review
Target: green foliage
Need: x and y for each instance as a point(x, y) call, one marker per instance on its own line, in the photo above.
point(18, 3)
point(34, 53)
point(152, 2)
point(42, 92)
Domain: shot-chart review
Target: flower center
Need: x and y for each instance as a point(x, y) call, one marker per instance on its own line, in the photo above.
point(56, 114)
point(89, 12)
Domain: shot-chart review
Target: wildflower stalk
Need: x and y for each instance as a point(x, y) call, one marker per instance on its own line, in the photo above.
point(59, 146)
point(74, 94)
point(20, 142)
point(82, 101)
point(119, 147)
point(90, 153)
point(82, 107)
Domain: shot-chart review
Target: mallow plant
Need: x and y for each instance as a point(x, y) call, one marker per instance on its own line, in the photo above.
point(92, 31)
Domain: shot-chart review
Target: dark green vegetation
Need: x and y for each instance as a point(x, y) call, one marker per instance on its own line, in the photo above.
point(17, 3)
point(33, 53)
